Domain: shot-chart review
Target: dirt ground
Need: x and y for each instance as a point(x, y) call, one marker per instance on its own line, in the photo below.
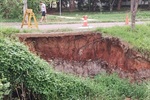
point(88, 54)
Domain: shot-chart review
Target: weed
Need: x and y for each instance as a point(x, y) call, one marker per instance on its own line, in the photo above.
point(8, 32)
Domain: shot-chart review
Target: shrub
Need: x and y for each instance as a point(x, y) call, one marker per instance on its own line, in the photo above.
point(115, 88)
point(19, 66)
point(4, 87)
point(11, 9)
point(14, 8)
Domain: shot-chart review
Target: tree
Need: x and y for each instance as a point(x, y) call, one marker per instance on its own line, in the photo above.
point(111, 4)
point(16, 8)
point(134, 6)
point(148, 4)
point(24, 6)
point(72, 5)
point(119, 4)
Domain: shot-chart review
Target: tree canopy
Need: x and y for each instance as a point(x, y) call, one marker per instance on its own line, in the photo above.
point(13, 8)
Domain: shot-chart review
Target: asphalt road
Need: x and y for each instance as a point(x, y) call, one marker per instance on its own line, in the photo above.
point(78, 26)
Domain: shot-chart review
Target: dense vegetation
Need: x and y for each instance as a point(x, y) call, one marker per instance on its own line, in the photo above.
point(14, 8)
point(24, 75)
point(29, 73)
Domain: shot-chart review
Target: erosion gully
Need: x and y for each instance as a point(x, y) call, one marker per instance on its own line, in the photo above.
point(88, 54)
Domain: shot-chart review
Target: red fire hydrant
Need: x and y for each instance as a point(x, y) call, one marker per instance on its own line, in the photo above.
point(85, 23)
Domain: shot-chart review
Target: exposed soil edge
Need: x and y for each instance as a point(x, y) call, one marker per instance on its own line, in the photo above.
point(117, 56)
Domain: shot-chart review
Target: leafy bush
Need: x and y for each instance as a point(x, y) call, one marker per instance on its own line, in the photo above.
point(14, 8)
point(22, 67)
point(148, 91)
point(114, 88)
point(11, 8)
point(4, 87)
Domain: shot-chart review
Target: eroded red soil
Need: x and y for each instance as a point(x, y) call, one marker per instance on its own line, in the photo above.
point(88, 54)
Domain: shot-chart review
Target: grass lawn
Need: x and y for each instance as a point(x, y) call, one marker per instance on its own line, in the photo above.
point(75, 17)
point(109, 16)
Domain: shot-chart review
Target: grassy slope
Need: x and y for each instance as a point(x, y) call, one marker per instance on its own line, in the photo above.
point(139, 38)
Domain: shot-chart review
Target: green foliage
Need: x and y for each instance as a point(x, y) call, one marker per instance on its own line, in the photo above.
point(8, 32)
point(4, 87)
point(20, 66)
point(148, 91)
point(11, 8)
point(35, 5)
point(114, 88)
point(14, 8)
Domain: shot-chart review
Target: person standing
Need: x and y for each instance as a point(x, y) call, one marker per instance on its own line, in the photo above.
point(43, 10)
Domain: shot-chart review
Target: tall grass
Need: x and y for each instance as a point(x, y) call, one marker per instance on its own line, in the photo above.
point(114, 88)
point(8, 32)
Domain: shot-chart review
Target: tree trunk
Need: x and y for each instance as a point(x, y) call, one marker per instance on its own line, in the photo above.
point(148, 4)
point(72, 5)
point(111, 4)
point(134, 6)
point(24, 6)
point(119, 4)
point(111, 7)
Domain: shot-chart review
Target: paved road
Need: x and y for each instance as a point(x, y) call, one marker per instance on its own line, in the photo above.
point(68, 26)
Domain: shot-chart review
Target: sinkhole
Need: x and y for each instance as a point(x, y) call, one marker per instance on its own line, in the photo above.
point(88, 54)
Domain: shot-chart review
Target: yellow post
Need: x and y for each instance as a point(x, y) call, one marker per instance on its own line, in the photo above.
point(29, 13)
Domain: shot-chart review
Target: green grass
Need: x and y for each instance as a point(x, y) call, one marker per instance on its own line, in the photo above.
point(96, 16)
point(114, 88)
point(139, 39)
point(8, 31)
point(52, 19)
point(9, 20)
point(109, 16)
